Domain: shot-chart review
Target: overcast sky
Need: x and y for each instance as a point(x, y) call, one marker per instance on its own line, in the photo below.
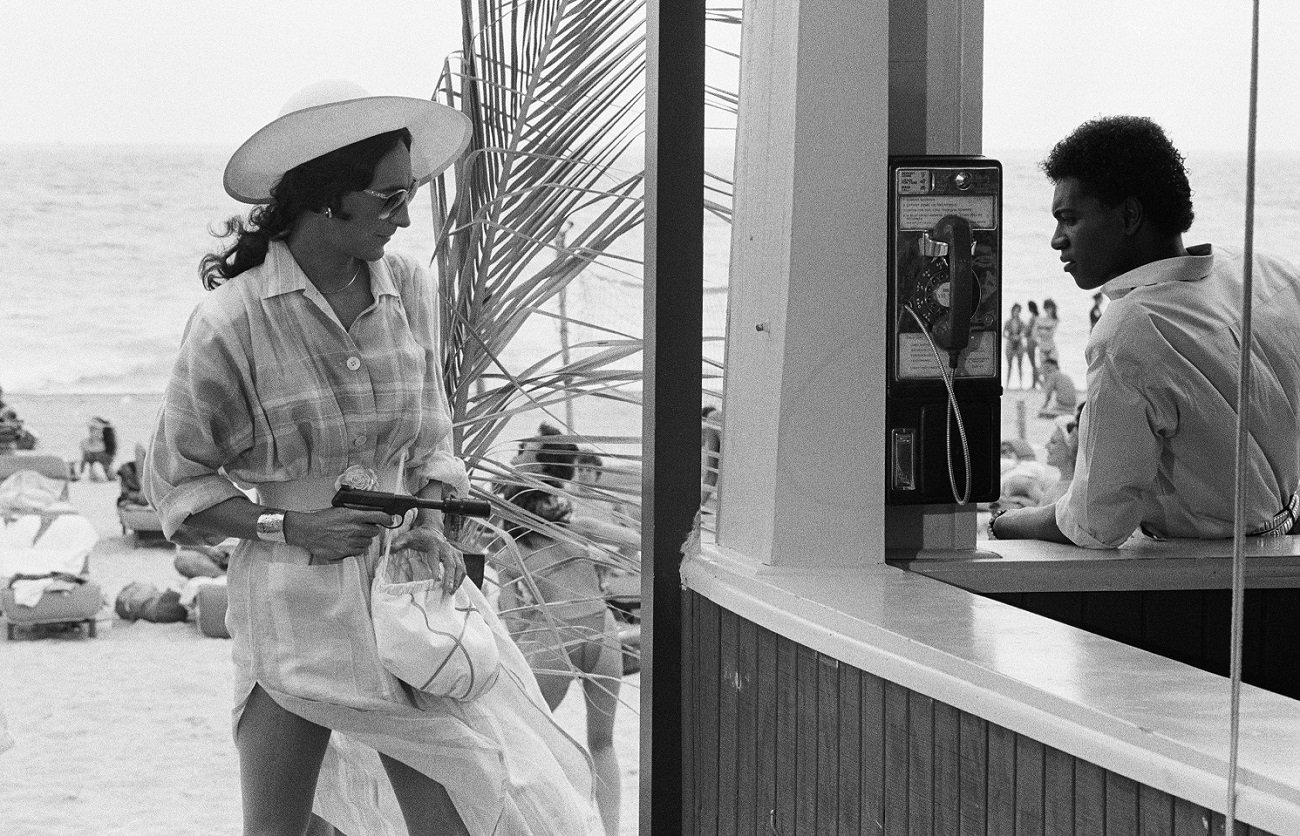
point(212, 72)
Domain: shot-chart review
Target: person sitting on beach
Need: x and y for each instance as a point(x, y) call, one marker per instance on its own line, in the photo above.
point(98, 449)
point(553, 604)
point(13, 435)
point(1059, 386)
point(1157, 442)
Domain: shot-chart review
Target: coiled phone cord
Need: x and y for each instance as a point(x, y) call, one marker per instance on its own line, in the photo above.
point(952, 410)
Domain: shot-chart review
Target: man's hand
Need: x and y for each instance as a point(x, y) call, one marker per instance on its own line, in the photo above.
point(1029, 524)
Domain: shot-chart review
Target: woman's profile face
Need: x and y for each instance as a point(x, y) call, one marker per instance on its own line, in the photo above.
point(365, 235)
point(1061, 448)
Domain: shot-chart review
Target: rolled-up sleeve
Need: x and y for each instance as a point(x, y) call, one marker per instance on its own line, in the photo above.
point(1119, 456)
point(202, 425)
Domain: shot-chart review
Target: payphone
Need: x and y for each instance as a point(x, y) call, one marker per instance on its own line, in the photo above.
point(943, 385)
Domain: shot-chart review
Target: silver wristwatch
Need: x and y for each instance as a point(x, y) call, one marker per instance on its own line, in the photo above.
point(270, 527)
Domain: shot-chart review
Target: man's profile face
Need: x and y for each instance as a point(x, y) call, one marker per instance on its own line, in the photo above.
point(1089, 235)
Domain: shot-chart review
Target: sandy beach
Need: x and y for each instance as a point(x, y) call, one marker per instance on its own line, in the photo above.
point(129, 732)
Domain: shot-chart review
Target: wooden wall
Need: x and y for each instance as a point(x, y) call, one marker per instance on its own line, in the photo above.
point(1190, 626)
point(780, 740)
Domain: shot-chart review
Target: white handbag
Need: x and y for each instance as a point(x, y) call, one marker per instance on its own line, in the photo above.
point(436, 642)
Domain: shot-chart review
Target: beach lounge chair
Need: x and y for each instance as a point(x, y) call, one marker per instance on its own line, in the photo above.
point(45, 548)
point(134, 511)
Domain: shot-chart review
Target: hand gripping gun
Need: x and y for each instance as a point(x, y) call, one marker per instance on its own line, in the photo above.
point(398, 505)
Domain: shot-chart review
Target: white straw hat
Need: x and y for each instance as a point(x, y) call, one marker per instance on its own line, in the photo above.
point(330, 114)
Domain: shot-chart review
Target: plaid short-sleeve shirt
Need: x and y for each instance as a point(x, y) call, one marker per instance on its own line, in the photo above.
point(268, 387)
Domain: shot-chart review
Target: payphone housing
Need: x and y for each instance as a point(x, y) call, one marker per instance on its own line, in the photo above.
point(943, 390)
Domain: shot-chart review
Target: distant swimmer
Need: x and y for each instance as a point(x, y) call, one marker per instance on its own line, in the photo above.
point(1158, 439)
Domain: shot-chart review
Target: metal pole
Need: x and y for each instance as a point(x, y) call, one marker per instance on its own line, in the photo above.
point(674, 293)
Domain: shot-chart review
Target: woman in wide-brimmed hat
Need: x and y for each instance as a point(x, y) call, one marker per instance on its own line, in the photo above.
point(315, 354)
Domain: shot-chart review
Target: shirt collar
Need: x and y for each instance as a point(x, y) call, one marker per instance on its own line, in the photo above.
point(285, 276)
point(1184, 268)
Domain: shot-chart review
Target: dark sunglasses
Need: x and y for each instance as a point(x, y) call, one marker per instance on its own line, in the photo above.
point(394, 201)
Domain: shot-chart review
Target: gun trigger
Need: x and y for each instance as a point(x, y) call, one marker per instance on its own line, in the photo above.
point(397, 521)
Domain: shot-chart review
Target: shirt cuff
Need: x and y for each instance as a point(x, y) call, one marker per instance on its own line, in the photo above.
point(193, 496)
point(1077, 535)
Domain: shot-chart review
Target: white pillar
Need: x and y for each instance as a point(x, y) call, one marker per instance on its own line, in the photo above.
point(803, 444)
point(803, 433)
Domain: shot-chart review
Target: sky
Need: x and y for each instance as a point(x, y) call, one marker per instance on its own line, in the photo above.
point(194, 71)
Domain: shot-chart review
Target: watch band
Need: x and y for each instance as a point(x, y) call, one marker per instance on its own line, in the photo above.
point(270, 527)
point(993, 535)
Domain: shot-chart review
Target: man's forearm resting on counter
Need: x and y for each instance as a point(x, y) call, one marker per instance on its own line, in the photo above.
point(1037, 523)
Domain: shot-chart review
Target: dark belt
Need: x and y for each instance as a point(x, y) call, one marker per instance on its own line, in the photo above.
point(1286, 521)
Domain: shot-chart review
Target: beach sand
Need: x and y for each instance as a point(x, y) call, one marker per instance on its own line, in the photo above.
point(130, 732)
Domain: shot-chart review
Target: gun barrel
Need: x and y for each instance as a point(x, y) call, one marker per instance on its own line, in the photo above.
point(397, 503)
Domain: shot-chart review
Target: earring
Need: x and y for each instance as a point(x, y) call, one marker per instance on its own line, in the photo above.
point(329, 213)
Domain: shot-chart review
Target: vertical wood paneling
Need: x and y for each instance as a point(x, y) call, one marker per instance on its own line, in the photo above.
point(947, 770)
point(1173, 624)
point(765, 753)
point(728, 740)
point(974, 774)
point(871, 728)
point(805, 744)
point(1280, 653)
point(1058, 792)
point(920, 764)
point(748, 675)
point(706, 728)
point(1001, 792)
point(787, 732)
point(1029, 787)
point(895, 798)
point(1190, 820)
point(1114, 614)
point(1089, 799)
point(828, 745)
point(691, 714)
point(1121, 805)
point(783, 737)
point(1155, 812)
point(1066, 607)
point(852, 753)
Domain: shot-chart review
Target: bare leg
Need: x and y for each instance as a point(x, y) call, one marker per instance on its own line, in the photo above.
point(604, 662)
point(279, 760)
point(425, 804)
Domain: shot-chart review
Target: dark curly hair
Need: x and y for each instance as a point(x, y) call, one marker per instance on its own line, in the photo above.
point(309, 187)
point(1115, 157)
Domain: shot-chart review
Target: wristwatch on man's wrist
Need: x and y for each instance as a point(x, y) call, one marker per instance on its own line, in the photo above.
point(993, 535)
point(270, 527)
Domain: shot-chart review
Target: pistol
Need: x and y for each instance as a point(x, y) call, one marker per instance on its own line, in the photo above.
point(398, 505)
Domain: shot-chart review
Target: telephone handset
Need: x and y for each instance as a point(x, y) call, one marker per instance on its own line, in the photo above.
point(948, 284)
point(944, 341)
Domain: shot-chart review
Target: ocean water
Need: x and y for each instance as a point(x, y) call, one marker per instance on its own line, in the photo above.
point(100, 245)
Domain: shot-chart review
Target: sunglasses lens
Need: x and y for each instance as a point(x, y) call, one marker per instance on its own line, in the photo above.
point(398, 199)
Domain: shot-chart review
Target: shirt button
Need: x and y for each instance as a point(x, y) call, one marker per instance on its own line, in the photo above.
point(354, 363)
point(358, 441)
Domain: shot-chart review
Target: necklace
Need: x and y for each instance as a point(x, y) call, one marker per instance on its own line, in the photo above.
point(325, 292)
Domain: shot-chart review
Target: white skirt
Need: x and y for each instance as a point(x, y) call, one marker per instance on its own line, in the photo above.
point(507, 765)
